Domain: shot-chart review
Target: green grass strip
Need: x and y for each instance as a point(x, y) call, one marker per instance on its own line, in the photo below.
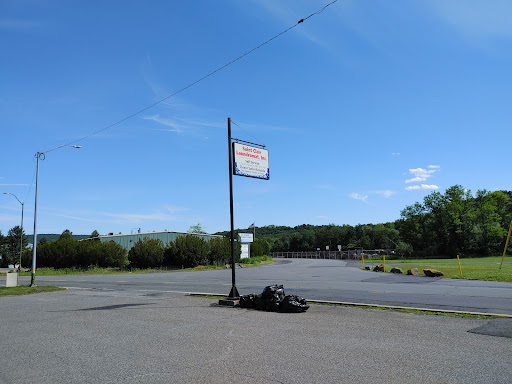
point(413, 310)
point(26, 290)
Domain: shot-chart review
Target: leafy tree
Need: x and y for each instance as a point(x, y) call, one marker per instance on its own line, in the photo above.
point(12, 243)
point(187, 252)
point(94, 234)
point(260, 247)
point(42, 240)
point(66, 234)
point(146, 253)
point(219, 251)
point(69, 253)
point(3, 261)
point(196, 229)
point(404, 249)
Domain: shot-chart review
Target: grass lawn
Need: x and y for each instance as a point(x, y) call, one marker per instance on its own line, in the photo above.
point(471, 267)
point(26, 290)
point(489, 259)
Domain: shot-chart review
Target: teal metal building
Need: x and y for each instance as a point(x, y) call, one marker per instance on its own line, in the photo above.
point(128, 241)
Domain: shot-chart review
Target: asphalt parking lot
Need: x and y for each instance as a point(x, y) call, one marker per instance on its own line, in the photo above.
point(104, 336)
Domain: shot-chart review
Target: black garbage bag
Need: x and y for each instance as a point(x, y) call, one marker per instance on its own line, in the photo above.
point(259, 303)
point(247, 301)
point(272, 296)
point(272, 303)
point(271, 290)
point(293, 304)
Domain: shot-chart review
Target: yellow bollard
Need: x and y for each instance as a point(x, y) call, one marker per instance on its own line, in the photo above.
point(362, 256)
point(384, 256)
point(460, 268)
point(506, 244)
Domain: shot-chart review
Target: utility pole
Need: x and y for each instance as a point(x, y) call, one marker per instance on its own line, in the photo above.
point(233, 294)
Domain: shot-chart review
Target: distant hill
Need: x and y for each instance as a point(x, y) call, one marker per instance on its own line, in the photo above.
point(53, 237)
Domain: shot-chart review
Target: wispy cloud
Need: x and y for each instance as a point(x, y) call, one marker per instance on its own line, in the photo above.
point(421, 187)
point(421, 174)
point(357, 196)
point(173, 125)
point(386, 193)
point(76, 218)
point(183, 125)
point(476, 18)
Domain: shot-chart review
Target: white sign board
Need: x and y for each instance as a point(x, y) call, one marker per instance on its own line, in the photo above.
point(246, 237)
point(250, 161)
point(245, 251)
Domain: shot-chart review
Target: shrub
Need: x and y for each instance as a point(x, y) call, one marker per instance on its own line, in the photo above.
point(146, 253)
point(187, 251)
point(260, 247)
point(220, 251)
point(70, 253)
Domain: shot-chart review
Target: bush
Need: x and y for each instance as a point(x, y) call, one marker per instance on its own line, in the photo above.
point(260, 247)
point(70, 253)
point(146, 253)
point(187, 252)
point(220, 251)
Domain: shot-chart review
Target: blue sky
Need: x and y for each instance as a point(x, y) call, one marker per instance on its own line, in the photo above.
point(365, 108)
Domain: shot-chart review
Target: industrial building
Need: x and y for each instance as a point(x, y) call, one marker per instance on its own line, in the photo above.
point(128, 241)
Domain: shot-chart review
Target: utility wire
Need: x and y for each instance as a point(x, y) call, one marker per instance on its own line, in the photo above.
point(204, 77)
point(244, 130)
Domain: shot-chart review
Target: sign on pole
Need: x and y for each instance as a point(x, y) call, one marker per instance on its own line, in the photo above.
point(246, 237)
point(250, 161)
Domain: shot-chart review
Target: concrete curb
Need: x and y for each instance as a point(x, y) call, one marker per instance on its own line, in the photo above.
point(378, 306)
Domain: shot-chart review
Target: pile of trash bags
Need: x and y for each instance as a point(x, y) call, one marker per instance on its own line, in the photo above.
point(273, 299)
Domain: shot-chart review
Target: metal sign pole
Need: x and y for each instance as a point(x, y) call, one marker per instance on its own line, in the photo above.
point(233, 294)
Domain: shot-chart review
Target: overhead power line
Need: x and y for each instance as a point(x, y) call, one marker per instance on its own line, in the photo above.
point(204, 77)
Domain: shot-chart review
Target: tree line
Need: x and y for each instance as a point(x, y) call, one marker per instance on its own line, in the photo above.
point(456, 222)
point(185, 252)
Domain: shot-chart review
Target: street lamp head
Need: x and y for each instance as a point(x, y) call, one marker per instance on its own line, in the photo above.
point(77, 146)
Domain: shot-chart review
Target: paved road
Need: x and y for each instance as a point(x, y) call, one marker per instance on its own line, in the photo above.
point(101, 336)
point(314, 279)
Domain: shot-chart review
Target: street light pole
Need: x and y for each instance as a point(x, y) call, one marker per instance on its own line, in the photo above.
point(21, 234)
point(34, 246)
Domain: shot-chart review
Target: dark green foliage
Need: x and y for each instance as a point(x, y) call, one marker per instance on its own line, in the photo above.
point(448, 224)
point(147, 253)
point(10, 245)
point(404, 249)
point(260, 247)
point(220, 251)
point(188, 251)
point(26, 258)
point(58, 254)
point(3, 261)
point(457, 223)
point(69, 253)
point(66, 234)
